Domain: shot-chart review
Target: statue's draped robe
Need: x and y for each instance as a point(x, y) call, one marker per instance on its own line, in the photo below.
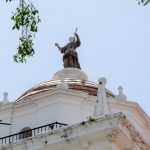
point(70, 57)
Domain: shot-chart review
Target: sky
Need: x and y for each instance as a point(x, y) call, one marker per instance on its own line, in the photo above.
point(114, 37)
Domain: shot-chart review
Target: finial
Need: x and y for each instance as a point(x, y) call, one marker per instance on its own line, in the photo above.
point(102, 80)
point(101, 107)
point(121, 95)
point(120, 89)
point(5, 98)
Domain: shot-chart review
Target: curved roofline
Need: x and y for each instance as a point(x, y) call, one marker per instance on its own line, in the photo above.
point(74, 84)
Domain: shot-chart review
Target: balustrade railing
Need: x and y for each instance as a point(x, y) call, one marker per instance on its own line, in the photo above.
point(30, 133)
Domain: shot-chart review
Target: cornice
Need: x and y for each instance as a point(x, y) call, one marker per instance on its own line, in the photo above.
point(133, 134)
point(131, 104)
point(71, 132)
point(113, 123)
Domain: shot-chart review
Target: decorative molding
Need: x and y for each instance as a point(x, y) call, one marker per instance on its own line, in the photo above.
point(131, 104)
point(116, 122)
point(134, 135)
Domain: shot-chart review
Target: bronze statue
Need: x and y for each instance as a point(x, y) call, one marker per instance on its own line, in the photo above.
point(70, 57)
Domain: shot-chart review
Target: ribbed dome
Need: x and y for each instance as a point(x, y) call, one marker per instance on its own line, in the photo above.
point(75, 78)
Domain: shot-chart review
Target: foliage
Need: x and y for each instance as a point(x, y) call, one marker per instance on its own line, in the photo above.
point(90, 119)
point(143, 2)
point(25, 19)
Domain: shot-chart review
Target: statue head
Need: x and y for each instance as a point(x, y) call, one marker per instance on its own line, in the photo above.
point(71, 39)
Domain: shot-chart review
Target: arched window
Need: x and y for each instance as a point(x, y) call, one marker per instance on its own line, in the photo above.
point(25, 133)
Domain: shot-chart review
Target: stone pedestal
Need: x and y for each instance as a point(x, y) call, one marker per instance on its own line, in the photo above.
point(72, 73)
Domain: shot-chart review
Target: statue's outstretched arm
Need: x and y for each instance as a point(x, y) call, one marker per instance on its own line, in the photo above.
point(57, 45)
point(78, 42)
point(62, 49)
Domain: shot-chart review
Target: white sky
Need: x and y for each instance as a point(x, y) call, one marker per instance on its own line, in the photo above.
point(115, 44)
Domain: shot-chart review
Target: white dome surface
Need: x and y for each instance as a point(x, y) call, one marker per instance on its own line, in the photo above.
point(72, 73)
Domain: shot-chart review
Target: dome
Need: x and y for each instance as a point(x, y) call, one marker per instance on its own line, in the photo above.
point(75, 78)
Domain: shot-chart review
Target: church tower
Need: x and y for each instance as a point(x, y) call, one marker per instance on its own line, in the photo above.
point(69, 112)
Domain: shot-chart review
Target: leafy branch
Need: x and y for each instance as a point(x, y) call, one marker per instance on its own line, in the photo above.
point(25, 20)
point(143, 2)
